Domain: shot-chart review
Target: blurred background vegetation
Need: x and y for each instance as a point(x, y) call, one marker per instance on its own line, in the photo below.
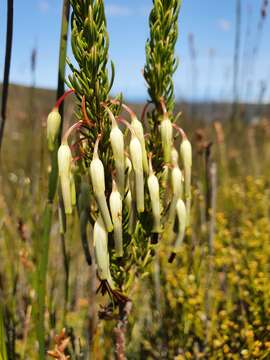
point(213, 302)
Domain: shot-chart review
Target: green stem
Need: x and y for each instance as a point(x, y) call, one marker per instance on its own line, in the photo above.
point(43, 248)
point(41, 277)
point(9, 36)
point(3, 349)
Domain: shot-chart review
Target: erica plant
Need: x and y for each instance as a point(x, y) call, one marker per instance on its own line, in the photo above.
point(128, 177)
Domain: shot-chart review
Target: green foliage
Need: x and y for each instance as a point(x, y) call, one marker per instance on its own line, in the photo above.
point(3, 350)
point(216, 307)
point(90, 45)
point(161, 62)
point(92, 87)
point(43, 243)
point(203, 306)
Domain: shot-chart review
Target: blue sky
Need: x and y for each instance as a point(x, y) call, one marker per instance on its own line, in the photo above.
point(211, 22)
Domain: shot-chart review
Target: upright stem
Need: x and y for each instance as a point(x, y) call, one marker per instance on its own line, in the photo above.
point(9, 37)
point(62, 56)
point(43, 248)
point(43, 253)
point(3, 349)
point(208, 183)
point(161, 62)
point(120, 331)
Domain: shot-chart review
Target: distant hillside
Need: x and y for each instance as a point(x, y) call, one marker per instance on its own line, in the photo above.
point(22, 99)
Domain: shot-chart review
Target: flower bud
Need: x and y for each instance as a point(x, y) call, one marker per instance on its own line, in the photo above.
point(166, 131)
point(98, 183)
point(182, 219)
point(153, 187)
point(64, 166)
point(100, 242)
point(128, 165)
point(136, 159)
point(186, 152)
point(137, 127)
point(116, 211)
point(130, 199)
point(174, 157)
point(176, 178)
point(53, 128)
point(130, 183)
point(117, 143)
point(164, 176)
point(186, 155)
point(97, 176)
point(64, 159)
point(177, 189)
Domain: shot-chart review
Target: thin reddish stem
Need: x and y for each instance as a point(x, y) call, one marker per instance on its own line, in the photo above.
point(126, 123)
point(127, 108)
point(69, 131)
point(163, 106)
point(85, 115)
point(144, 111)
point(151, 171)
point(96, 145)
point(111, 115)
point(62, 98)
point(181, 131)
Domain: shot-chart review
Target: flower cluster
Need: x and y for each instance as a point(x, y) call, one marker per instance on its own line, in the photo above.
point(133, 190)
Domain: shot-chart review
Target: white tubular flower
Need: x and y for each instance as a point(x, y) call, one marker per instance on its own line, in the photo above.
point(136, 159)
point(164, 176)
point(128, 170)
point(53, 128)
point(117, 143)
point(182, 223)
point(64, 167)
point(116, 211)
point(177, 189)
point(98, 183)
point(186, 155)
point(176, 178)
point(131, 206)
point(130, 200)
point(166, 131)
point(137, 127)
point(100, 242)
point(174, 157)
point(153, 187)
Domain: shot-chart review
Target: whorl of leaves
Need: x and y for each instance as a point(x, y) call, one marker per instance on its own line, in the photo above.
point(90, 45)
point(161, 62)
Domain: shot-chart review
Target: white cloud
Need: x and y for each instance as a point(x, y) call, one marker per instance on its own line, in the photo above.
point(118, 10)
point(224, 24)
point(43, 6)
